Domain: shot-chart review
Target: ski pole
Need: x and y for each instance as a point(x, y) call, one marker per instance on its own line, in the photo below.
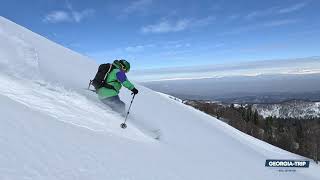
point(89, 84)
point(123, 125)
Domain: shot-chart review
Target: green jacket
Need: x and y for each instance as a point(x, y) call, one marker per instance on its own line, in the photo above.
point(116, 78)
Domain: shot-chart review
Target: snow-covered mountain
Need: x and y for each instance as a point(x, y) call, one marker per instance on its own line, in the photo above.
point(289, 109)
point(52, 128)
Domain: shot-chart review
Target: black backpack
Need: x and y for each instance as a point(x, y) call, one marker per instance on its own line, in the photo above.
point(101, 76)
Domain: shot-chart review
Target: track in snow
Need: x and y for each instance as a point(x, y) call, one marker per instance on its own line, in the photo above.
point(82, 108)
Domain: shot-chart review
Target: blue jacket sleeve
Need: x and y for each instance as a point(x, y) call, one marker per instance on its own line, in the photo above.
point(122, 78)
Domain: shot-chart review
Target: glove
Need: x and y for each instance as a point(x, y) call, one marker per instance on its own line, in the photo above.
point(134, 91)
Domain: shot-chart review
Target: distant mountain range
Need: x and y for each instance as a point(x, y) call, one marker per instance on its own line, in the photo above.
point(269, 98)
point(243, 89)
point(254, 98)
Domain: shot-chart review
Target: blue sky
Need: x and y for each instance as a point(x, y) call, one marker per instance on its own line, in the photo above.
point(169, 33)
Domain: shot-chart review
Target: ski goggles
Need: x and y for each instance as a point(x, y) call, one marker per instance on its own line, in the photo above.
point(124, 68)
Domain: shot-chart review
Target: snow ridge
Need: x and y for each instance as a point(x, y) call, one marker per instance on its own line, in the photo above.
point(24, 60)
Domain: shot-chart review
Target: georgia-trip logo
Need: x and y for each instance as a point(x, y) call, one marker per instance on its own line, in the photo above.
point(287, 163)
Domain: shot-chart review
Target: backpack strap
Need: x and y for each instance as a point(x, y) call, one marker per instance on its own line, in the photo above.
point(110, 67)
point(105, 83)
point(109, 86)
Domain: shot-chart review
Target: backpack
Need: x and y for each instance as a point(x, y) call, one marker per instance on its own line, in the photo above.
point(101, 76)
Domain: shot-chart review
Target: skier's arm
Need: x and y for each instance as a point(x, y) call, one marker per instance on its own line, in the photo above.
point(122, 78)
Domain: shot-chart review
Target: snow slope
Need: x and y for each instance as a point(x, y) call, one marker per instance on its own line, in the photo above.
point(51, 128)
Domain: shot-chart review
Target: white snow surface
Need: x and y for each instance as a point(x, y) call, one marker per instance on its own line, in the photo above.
point(52, 128)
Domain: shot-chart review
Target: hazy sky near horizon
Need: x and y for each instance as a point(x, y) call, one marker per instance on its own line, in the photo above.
point(254, 68)
point(268, 87)
point(154, 33)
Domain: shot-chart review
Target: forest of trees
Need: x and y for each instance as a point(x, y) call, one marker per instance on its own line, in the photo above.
point(300, 136)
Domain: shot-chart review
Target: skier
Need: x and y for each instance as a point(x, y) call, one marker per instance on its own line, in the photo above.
point(116, 77)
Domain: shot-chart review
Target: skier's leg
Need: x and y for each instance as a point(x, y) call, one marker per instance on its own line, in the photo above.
point(119, 105)
point(115, 104)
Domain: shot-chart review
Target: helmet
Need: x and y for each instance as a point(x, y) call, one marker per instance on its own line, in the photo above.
point(122, 64)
